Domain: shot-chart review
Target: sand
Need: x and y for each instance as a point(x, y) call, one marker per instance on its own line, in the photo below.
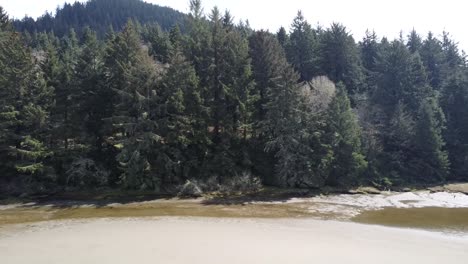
point(228, 241)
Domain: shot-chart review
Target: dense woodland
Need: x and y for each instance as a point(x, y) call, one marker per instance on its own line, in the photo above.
point(145, 108)
point(101, 16)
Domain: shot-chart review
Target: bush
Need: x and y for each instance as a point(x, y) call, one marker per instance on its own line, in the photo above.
point(241, 183)
point(244, 182)
point(190, 189)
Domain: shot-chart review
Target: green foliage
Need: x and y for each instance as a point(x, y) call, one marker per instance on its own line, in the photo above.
point(348, 161)
point(30, 155)
point(99, 15)
point(214, 104)
point(339, 57)
point(131, 76)
point(4, 20)
point(24, 111)
point(429, 141)
point(302, 48)
point(454, 100)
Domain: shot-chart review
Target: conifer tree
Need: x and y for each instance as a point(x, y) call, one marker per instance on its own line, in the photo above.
point(131, 75)
point(94, 102)
point(414, 43)
point(24, 111)
point(454, 101)
point(348, 162)
point(431, 55)
point(283, 37)
point(302, 48)
point(339, 57)
point(181, 119)
point(280, 123)
point(434, 164)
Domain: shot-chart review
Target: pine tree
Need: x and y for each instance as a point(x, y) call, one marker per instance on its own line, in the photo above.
point(414, 43)
point(339, 58)
point(434, 164)
point(431, 55)
point(93, 101)
point(4, 20)
point(283, 37)
point(181, 123)
point(160, 44)
point(454, 101)
point(64, 82)
point(280, 124)
point(394, 77)
point(131, 75)
point(301, 51)
point(369, 51)
point(348, 162)
point(24, 111)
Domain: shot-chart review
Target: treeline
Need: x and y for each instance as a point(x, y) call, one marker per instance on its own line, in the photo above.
point(149, 109)
point(99, 15)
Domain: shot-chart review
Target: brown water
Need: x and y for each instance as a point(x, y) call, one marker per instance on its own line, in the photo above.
point(27, 214)
point(452, 220)
point(430, 218)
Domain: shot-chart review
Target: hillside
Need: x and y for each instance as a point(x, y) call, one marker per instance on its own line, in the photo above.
point(100, 15)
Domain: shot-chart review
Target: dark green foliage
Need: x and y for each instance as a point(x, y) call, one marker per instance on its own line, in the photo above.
point(414, 42)
point(4, 20)
point(348, 161)
point(434, 162)
point(99, 15)
point(339, 57)
point(302, 48)
point(181, 122)
point(24, 111)
point(431, 54)
point(131, 75)
point(454, 102)
point(169, 99)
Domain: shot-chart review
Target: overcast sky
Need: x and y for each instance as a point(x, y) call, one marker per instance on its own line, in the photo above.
point(386, 17)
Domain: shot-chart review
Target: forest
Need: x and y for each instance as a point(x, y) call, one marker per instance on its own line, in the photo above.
point(146, 98)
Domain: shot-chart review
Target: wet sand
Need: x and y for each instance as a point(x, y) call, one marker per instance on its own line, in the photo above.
point(227, 240)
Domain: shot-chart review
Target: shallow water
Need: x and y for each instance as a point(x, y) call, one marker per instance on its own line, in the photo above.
point(157, 208)
point(422, 210)
point(448, 220)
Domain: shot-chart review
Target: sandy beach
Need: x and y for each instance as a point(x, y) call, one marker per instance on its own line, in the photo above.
point(230, 241)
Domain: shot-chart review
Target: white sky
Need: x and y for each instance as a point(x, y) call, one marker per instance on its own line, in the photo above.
point(386, 17)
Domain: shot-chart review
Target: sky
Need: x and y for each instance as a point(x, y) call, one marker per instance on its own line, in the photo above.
point(387, 18)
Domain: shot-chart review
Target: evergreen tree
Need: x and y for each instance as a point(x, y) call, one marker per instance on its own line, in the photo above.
point(454, 102)
point(181, 117)
point(131, 75)
point(301, 51)
point(283, 37)
point(281, 125)
point(4, 20)
point(160, 44)
point(414, 43)
point(339, 57)
point(348, 162)
point(94, 102)
point(24, 111)
point(369, 51)
point(434, 163)
point(431, 54)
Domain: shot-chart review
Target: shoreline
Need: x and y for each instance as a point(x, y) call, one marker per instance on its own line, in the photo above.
point(268, 194)
point(440, 211)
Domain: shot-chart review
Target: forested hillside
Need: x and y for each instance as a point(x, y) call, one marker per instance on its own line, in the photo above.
point(222, 104)
point(100, 15)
